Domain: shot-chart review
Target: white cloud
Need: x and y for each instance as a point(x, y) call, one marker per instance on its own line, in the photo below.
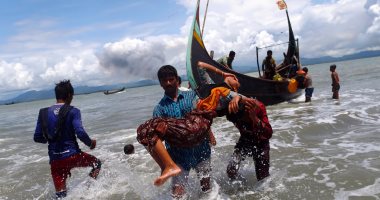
point(14, 76)
point(375, 27)
point(83, 68)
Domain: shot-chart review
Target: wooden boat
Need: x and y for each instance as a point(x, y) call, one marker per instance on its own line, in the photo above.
point(107, 92)
point(267, 91)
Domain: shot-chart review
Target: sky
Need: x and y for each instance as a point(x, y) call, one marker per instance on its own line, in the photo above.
point(117, 41)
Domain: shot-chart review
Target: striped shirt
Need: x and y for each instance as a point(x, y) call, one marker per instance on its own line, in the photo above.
point(187, 158)
point(167, 107)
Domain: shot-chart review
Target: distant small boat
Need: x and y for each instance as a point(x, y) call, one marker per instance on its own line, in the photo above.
point(107, 92)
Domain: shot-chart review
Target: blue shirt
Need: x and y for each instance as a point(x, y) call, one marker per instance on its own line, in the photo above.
point(67, 145)
point(187, 158)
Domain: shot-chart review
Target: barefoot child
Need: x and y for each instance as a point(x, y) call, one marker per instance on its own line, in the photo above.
point(185, 132)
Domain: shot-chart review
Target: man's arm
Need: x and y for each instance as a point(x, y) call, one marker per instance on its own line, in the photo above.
point(38, 135)
point(79, 130)
point(274, 63)
point(306, 81)
point(214, 69)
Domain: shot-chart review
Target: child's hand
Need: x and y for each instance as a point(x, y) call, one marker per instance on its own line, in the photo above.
point(233, 106)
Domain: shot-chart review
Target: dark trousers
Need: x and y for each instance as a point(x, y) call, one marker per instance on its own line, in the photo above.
point(258, 150)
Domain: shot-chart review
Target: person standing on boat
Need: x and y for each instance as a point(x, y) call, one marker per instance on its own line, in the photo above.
point(308, 83)
point(335, 82)
point(255, 132)
point(269, 66)
point(59, 126)
point(227, 60)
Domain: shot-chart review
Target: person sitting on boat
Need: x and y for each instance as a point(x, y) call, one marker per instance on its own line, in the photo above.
point(269, 66)
point(226, 61)
point(288, 67)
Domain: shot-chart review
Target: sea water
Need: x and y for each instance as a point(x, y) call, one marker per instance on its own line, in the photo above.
point(325, 149)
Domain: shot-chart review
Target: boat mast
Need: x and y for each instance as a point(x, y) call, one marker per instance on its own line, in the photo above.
point(204, 19)
point(293, 44)
point(257, 59)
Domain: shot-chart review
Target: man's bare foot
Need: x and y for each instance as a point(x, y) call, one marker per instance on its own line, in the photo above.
point(166, 174)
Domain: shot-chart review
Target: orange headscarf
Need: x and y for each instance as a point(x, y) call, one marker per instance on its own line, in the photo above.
point(212, 101)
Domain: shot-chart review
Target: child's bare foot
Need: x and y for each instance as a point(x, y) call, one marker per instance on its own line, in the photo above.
point(166, 174)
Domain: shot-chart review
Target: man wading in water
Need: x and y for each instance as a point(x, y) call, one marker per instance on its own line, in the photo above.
point(187, 134)
point(59, 125)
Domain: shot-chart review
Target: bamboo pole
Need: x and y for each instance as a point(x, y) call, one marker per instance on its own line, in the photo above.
point(204, 19)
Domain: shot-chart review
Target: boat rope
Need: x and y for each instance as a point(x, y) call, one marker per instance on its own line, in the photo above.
point(204, 19)
point(273, 45)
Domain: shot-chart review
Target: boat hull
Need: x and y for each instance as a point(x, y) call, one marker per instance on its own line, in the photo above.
point(267, 91)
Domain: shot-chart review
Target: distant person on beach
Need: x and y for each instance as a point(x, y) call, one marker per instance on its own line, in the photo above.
point(180, 87)
point(269, 66)
point(335, 82)
point(308, 83)
point(227, 60)
point(59, 125)
point(255, 132)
